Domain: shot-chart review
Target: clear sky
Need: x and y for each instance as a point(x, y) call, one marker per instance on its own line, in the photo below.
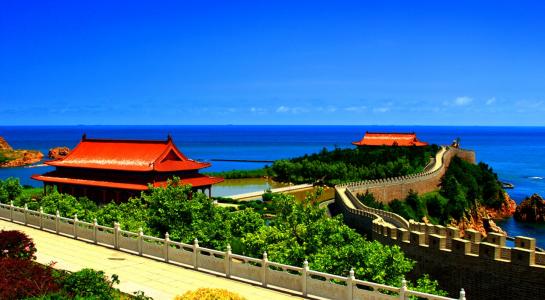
point(272, 62)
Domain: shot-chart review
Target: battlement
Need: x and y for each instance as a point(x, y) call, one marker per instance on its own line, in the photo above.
point(485, 267)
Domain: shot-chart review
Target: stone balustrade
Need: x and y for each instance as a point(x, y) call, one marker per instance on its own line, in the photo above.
point(297, 280)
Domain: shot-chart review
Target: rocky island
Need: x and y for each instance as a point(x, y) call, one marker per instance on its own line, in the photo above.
point(531, 209)
point(10, 157)
point(58, 152)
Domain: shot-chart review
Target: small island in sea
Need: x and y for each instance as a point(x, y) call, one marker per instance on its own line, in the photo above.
point(10, 157)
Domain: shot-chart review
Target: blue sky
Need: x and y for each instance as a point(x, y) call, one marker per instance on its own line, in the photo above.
point(272, 62)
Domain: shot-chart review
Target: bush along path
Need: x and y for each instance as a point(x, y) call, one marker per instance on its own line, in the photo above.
point(24, 278)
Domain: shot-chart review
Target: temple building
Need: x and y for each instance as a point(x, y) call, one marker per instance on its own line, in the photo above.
point(107, 169)
point(389, 139)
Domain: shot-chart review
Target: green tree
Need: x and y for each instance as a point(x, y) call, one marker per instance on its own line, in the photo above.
point(10, 189)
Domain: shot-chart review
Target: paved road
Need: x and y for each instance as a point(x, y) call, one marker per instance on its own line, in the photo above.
point(156, 279)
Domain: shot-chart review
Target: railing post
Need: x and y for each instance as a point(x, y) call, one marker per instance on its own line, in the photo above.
point(41, 218)
point(196, 254)
point(116, 235)
point(462, 294)
point(166, 246)
point(26, 211)
point(57, 221)
point(350, 285)
point(403, 290)
point(264, 266)
point(11, 211)
point(304, 278)
point(95, 229)
point(228, 261)
point(76, 226)
point(140, 240)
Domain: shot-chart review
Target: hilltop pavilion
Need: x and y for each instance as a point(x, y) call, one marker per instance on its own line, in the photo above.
point(389, 139)
point(107, 169)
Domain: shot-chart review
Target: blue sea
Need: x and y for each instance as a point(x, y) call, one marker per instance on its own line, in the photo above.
point(517, 154)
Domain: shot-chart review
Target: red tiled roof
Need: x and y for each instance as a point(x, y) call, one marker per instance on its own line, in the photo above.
point(389, 139)
point(128, 155)
point(197, 181)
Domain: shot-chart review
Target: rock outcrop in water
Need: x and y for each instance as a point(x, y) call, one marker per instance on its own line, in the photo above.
point(16, 158)
point(482, 218)
point(531, 209)
point(58, 152)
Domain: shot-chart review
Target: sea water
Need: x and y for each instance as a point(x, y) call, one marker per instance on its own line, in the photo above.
point(517, 154)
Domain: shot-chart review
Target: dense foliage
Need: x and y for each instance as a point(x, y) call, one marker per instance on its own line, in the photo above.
point(10, 189)
point(346, 165)
point(237, 174)
point(22, 278)
point(15, 244)
point(464, 187)
point(301, 230)
point(90, 284)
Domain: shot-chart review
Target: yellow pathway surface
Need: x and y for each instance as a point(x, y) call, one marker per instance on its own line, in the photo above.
point(158, 280)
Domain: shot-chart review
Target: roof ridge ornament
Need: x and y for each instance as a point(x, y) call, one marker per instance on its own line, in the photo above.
point(84, 136)
point(169, 138)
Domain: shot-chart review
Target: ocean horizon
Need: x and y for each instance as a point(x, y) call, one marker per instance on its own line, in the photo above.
point(516, 153)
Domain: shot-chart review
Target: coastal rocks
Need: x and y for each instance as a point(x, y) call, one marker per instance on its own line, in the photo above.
point(58, 152)
point(531, 209)
point(506, 210)
point(478, 220)
point(4, 145)
point(482, 218)
point(16, 158)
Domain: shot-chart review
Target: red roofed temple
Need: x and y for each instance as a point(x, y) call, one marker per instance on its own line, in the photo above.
point(104, 170)
point(389, 139)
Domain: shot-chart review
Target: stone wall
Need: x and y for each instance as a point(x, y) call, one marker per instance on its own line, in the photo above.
point(385, 190)
point(485, 268)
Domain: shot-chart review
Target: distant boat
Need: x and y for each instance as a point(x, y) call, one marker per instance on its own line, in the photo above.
point(507, 185)
point(535, 177)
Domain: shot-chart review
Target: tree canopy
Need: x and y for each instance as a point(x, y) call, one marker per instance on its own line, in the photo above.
point(346, 165)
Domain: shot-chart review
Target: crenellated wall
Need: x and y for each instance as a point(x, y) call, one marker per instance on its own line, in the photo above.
point(485, 268)
point(385, 190)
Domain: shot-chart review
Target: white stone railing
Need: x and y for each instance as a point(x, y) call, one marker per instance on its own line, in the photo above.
point(297, 280)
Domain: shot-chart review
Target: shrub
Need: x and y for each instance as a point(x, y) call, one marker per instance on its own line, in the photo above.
point(15, 244)
point(90, 283)
point(10, 189)
point(23, 278)
point(209, 294)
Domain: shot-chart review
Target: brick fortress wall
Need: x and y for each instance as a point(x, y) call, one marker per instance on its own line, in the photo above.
point(485, 268)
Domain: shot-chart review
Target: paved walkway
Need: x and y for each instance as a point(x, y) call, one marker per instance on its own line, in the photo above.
point(158, 280)
point(438, 159)
point(258, 194)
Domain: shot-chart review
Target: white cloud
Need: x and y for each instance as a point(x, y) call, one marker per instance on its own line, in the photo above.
point(329, 109)
point(258, 110)
point(381, 109)
point(355, 108)
point(282, 109)
point(293, 110)
point(491, 101)
point(461, 101)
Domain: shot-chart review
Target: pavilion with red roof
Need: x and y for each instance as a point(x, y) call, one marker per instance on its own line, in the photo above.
point(389, 139)
point(107, 169)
